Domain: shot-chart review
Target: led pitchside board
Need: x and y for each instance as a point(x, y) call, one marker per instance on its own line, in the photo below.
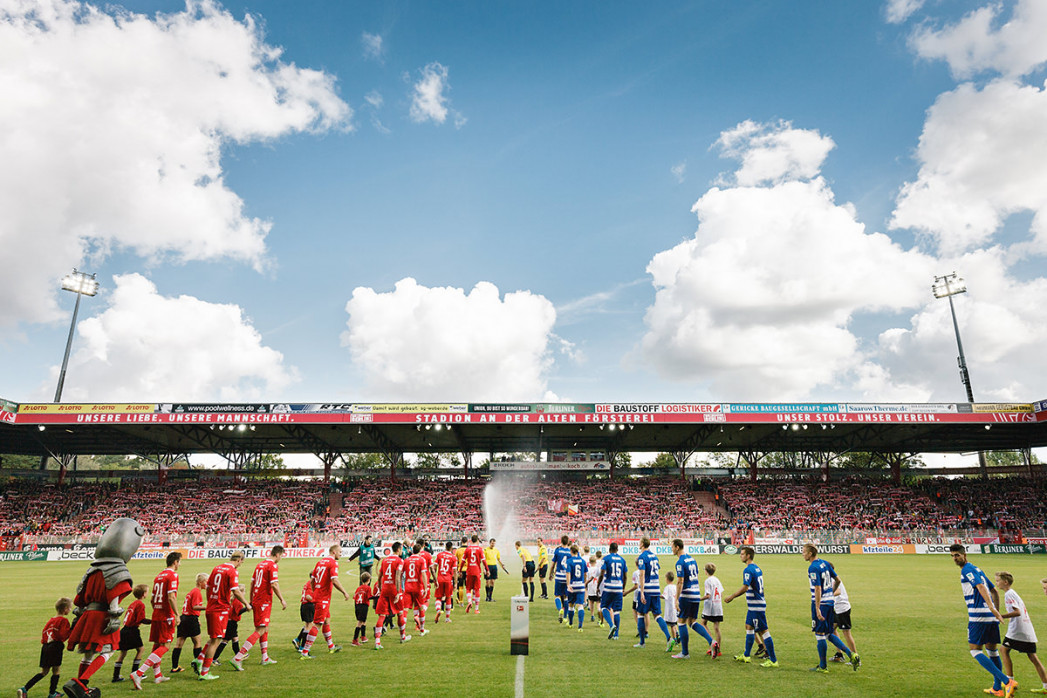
point(70, 428)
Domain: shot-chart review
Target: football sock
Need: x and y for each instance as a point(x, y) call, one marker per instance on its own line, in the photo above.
point(135, 664)
point(581, 618)
point(54, 682)
point(356, 634)
point(207, 666)
point(558, 606)
point(822, 651)
point(116, 670)
point(768, 644)
point(607, 616)
point(532, 591)
point(302, 634)
point(838, 643)
point(750, 638)
point(617, 622)
point(96, 664)
point(994, 657)
point(32, 682)
point(309, 640)
point(378, 630)
point(328, 636)
point(999, 679)
point(639, 629)
point(570, 616)
point(221, 646)
point(700, 629)
point(264, 644)
point(665, 628)
point(545, 591)
point(175, 654)
point(684, 639)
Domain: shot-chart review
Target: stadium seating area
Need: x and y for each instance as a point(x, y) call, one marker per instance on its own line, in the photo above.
point(269, 509)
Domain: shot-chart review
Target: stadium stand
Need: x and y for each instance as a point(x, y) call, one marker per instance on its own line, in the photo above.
point(657, 506)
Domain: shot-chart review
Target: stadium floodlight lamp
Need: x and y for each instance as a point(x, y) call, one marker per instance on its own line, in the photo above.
point(948, 285)
point(80, 282)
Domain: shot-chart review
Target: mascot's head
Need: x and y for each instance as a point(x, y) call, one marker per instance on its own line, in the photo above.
point(121, 540)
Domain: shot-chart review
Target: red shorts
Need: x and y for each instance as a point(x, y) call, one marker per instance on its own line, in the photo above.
point(216, 622)
point(321, 611)
point(414, 599)
point(472, 583)
point(162, 630)
point(444, 588)
point(261, 613)
point(388, 604)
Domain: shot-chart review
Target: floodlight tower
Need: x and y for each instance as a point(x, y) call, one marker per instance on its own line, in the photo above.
point(82, 284)
point(946, 287)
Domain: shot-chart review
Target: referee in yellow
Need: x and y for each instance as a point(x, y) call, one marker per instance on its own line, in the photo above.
point(528, 568)
point(543, 567)
point(494, 560)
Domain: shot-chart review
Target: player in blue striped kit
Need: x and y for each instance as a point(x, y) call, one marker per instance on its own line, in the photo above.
point(756, 614)
point(650, 593)
point(560, 556)
point(824, 582)
point(612, 576)
point(689, 595)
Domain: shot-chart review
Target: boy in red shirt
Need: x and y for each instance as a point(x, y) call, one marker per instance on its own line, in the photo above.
point(131, 634)
point(362, 599)
point(56, 632)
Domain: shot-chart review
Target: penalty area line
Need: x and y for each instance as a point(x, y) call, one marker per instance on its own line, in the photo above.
point(520, 676)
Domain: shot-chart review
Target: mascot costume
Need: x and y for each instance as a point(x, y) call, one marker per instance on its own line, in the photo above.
point(96, 630)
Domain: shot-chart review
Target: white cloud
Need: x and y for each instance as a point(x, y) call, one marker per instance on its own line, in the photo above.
point(372, 46)
point(983, 157)
point(148, 347)
point(679, 171)
point(429, 101)
point(900, 10)
point(758, 303)
point(419, 343)
point(113, 127)
point(774, 152)
point(981, 42)
point(374, 98)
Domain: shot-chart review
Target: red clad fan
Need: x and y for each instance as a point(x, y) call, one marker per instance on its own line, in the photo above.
point(325, 576)
point(222, 585)
point(264, 583)
point(416, 584)
point(164, 600)
point(475, 569)
point(445, 563)
point(390, 576)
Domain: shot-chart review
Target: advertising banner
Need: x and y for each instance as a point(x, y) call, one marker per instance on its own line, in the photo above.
point(943, 548)
point(890, 549)
point(1005, 549)
point(23, 555)
point(86, 408)
point(796, 549)
point(158, 553)
point(1001, 407)
point(519, 466)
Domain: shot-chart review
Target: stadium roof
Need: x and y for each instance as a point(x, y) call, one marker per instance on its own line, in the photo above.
point(235, 430)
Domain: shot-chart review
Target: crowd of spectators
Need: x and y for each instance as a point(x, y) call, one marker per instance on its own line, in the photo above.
point(273, 509)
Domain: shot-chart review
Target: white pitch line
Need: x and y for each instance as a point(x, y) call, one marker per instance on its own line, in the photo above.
point(519, 676)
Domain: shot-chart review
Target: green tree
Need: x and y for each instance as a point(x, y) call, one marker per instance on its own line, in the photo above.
point(268, 464)
point(1000, 458)
point(363, 461)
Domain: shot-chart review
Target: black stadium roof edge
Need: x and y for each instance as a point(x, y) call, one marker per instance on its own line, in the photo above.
point(65, 429)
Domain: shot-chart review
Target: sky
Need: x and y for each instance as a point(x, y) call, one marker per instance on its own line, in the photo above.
point(477, 201)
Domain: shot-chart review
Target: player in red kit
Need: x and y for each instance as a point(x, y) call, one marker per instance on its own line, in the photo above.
point(264, 583)
point(390, 576)
point(164, 600)
point(325, 576)
point(445, 563)
point(475, 565)
point(416, 582)
point(223, 584)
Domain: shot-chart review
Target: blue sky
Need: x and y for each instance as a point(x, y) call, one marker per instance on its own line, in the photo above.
point(553, 152)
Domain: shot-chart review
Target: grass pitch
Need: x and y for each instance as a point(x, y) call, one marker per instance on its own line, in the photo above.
point(909, 619)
